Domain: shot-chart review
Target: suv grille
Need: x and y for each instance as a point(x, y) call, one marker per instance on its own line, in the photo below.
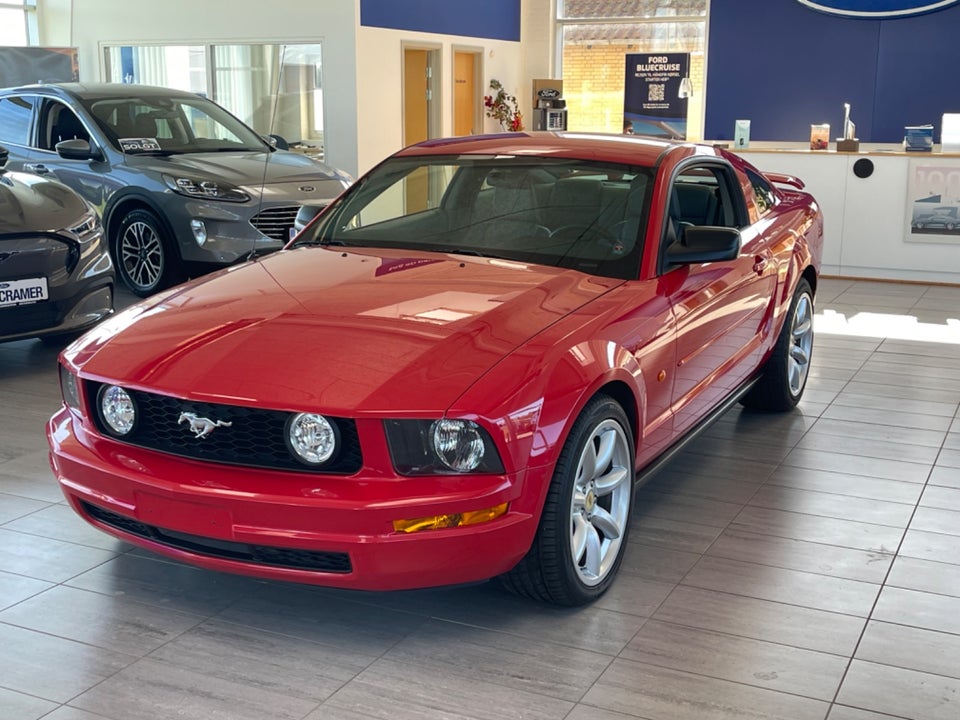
point(255, 437)
point(332, 562)
point(276, 222)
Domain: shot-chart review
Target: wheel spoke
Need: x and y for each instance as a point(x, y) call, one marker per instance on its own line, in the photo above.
point(802, 328)
point(605, 523)
point(588, 463)
point(594, 552)
point(611, 481)
point(608, 443)
point(578, 544)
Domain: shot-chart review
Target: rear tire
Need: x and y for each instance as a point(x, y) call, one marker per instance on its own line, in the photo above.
point(586, 515)
point(143, 254)
point(785, 374)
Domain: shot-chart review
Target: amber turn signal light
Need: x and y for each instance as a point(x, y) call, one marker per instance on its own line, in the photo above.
point(451, 520)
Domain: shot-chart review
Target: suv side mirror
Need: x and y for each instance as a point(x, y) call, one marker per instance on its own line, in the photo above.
point(77, 150)
point(705, 243)
point(3, 157)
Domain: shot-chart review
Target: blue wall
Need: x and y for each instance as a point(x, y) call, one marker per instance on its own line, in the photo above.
point(784, 66)
point(495, 19)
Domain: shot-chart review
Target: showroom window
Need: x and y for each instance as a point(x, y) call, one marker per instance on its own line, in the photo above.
point(276, 89)
point(594, 37)
point(18, 23)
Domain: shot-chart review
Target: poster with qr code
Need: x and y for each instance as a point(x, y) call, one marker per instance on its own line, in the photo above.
point(656, 91)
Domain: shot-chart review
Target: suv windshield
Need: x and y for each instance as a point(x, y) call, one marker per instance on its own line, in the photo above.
point(171, 125)
point(566, 213)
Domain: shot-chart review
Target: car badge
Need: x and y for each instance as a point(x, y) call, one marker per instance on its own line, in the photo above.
point(307, 188)
point(201, 426)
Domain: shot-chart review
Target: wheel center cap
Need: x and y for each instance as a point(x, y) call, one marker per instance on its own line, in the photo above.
point(591, 501)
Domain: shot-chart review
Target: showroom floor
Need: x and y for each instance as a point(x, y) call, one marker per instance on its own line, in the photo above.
point(800, 566)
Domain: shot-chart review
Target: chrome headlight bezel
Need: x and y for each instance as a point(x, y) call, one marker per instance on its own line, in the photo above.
point(117, 410)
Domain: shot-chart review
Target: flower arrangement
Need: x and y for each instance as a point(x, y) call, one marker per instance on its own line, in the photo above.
point(503, 108)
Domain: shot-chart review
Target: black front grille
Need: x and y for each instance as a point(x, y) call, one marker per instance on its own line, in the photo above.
point(253, 437)
point(331, 562)
point(276, 222)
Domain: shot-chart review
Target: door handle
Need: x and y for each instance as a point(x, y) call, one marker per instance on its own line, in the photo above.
point(38, 168)
point(759, 264)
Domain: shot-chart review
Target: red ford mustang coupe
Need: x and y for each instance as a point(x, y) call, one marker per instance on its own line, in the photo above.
point(460, 370)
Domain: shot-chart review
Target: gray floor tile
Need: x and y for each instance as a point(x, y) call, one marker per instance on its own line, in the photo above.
point(817, 529)
point(686, 508)
point(29, 476)
point(66, 712)
point(389, 690)
point(893, 406)
point(764, 582)
point(731, 468)
point(868, 447)
point(941, 497)
point(918, 609)
point(657, 563)
point(883, 432)
point(672, 534)
point(18, 706)
point(931, 546)
point(949, 459)
point(844, 484)
point(705, 486)
point(877, 512)
point(165, 584)
point(867, 466)
point(945, 476)
point(659, 693)
point(729, 657)
point(635, 596)
point(322, 618)
point(843, 712)
point(936, 520)
point(53, 668)
point(46, 559)
point(801, 555)
point(902, 692)
point(925, 575)
point(111, 623)
point(14, 506)
point(137, 692)
point(245, 656)
point(498, 658)
point(774, 622)
point(912, 648)
point(871, 417)
point(60, 522)
point(14, 588)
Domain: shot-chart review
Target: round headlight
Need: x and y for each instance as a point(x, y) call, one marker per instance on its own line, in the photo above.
point(312, 438)
point(458, 444)
point(117, 409)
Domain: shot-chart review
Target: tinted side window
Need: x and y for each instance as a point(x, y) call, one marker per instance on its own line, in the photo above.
point(15, 115)
point(762, 192)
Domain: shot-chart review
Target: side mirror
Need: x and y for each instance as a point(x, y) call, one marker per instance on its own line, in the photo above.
point(705, 243)
point(277, 142)
point(3, 157)
point(77, 150)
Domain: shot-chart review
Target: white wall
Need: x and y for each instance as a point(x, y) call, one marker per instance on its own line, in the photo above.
point(53, 23)
point(380, 69)
point(96, 23)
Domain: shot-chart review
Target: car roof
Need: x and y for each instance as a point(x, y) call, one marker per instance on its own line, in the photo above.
point(632, 149)
point(89, 91)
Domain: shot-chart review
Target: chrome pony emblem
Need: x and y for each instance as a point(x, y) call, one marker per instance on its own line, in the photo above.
point(201, 426)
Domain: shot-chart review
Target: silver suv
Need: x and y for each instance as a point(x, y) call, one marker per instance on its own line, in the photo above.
point(181, 184)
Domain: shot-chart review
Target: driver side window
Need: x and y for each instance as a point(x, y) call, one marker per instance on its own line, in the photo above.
point(58, 123)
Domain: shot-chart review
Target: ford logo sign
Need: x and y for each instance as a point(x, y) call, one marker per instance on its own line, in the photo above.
point(548, 93)
point(4, 285)
point(877, 9)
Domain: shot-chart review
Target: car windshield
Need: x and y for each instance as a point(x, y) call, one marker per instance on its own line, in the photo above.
point(171, 125)
point(567, 213)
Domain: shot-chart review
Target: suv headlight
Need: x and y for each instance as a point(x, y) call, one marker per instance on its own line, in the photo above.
point(444, 446)
point(88, 228)
point(209, 189)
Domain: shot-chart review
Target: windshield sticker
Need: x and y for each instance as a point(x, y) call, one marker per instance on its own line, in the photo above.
point(135, 145)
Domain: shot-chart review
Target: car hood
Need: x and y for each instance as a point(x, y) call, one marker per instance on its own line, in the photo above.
point(347, 333)
point(239, 168)
point(30, 204)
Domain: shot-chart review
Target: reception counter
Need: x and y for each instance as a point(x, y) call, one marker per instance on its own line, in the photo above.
point(869, 214)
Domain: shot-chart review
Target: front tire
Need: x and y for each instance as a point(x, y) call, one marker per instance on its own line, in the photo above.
point(784, 377)
point(141, 250)
point(586, 516)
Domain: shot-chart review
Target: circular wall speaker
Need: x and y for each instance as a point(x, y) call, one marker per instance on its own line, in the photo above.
point(863, 168)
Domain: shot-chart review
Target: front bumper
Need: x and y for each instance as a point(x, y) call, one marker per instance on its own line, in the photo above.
point(316, 529)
